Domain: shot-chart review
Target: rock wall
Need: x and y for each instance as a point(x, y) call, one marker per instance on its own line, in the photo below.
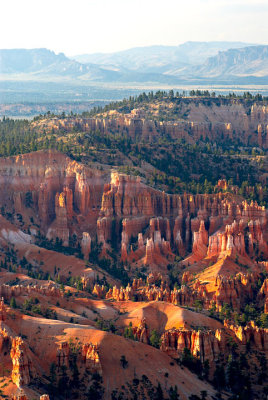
point(90, 355)
point(233, 121)
point(22, 370)
point(70, 200)
point(7, 291)
point(205, 345)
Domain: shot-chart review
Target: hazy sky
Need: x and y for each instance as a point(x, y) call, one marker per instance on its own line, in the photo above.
point(88, 26)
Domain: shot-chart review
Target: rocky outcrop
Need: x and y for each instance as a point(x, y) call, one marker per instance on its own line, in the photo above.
point(4, 338)
point(263, 295)
point(203, 121)
point(200, 241)
point(72, 200)
point(141, 332)
point(120, 294)
point(99, 291)
point(125, 195)
point(234, 291)
point(20, 396)
point(59, 228)
point(90, 355)
point(51, 290)
point(63, 353)
point(86, 245)
point(205, 345)
point(82, 193)
point(183, 296)
point(153, 251)
point(104, 230)
point(250, 333)
point(233, 240)
point(22, 370)
point(23, 396)
point(3, 313)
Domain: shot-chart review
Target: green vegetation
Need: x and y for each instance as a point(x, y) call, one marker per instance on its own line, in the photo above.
point(155, 339)
point(126, 105)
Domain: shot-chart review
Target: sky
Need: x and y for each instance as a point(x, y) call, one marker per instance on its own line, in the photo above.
point(89, 26)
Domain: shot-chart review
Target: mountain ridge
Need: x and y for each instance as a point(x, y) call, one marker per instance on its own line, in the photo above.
point(162, 64)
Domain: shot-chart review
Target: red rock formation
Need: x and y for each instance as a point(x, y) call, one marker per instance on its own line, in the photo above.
point(52, 290)
point(3, 313)
point(23, 396)
point(263, 296)
point(69, 202)
point(63, 353)
point(222, 184)
point(204, 345)
point(200, 241)
point(233, 291)
point(104, 230)
point(90, 355)
point(82, 193)
point(20, 397)
point(149, 256)
point(126, 196)
point(4, 338)
point(44, 204)
point(250, 333)
point(157, 249)
point(141, 332)
point(72, 199)
point(59, 228)
point(232, 240)
point(238, 124)
point(86, 245)
point(120, 294)
point(124, 255)
point(22, 366)
point(99, 291)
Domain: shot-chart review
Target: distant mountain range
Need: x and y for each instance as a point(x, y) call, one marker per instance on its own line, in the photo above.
point(247, 61)
point(203, 62)
point(160, 58)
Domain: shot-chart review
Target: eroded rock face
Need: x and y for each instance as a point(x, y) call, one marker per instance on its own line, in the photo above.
point(141, 332)
point(22, 370)
point(204, 345)
point(203, 121)
point(69, 199)
point(4, 338)
point(20, 397)
point(86, 245)
point(19, 290)
point(263, 295)
point(250, 333)
point(59, 228)
point(232, 240)
point(90, 355)
point(63, 354)
point(209, 344)
point(3, 313)
point(99, 291)
point(233, 291)
point(200, 240)
point(24, 397)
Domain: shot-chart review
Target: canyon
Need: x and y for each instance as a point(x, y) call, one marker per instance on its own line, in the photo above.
point(111, 287)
